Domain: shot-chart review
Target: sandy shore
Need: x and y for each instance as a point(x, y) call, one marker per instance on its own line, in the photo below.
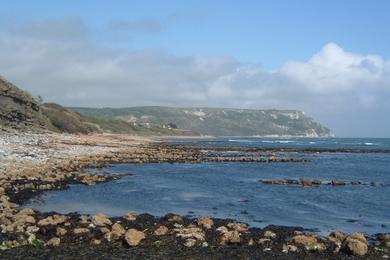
point(34, 163)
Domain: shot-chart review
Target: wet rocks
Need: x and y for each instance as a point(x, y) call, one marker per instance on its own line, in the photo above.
point(78, 231)
point(231, 237)
point(338, 183)
point(131, 216)
point(240, 227)
point(309, 242)
point(101, 220)
point(205, 222)
point(133, 237)
point(355, 244)
point(174, 218)
point(161, 230)
point(53, 220)
point(54, 242)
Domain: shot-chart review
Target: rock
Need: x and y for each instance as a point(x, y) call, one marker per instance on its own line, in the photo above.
point(55, 241)
point(118, 230)
point(264, 240)
point(101, 220)
point(78, 231)
point(190, 232)
point(26, 211)
point(231, 237)
point(355, 244)
point(52, 220)
point(133, 237)
point(84, 219)
point(160, 231)
point(356, 183)
point(222, 229)
point(337, 182)
point(306, 182)
point(205, 222)
point(104, 230)
point(131, 216)
point(289, 181)
point(190, 242)
point(96, 242)
point(309, 242)
point(269, 234)
point(173, 218)
point(240, 227)
point(61, 231)
point(317, 182)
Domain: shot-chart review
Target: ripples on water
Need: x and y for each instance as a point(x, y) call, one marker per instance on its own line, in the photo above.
point(232, 190)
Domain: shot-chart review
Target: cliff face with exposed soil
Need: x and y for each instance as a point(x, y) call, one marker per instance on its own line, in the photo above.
point(19, 110)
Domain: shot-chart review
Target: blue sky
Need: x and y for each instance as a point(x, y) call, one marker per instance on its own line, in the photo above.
point(328, 58)
point(264, 32)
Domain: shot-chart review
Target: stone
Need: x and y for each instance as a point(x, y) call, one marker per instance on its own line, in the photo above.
point(161, 230)
point(104, 230)
point(306, 182)
point(52, 220)
point(118, 229)
point(269, 234)
point(190, 242)
point(231, 237)
point(55, 241)
point(96, 242)
point(317, 182)
point(101, 220)
point(240, 227)
point(61, 231)
point(264, 240)
point(222, 229)
point(133, 237)
point(131, 216)
point(190, 232)
point(309, 242)
point(78, 231)
point(206, 222)
point(337, 182)
point(355, 244)
point(173, 218)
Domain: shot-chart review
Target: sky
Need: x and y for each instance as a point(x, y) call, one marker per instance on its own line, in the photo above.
point(330, 58)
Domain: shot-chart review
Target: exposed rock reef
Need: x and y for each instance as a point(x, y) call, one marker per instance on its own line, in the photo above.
point(55, 161)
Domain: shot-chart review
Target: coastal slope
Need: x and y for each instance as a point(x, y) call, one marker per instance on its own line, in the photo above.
point(217, 121)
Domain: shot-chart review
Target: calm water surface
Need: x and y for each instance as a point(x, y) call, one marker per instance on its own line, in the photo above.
point(232, 190)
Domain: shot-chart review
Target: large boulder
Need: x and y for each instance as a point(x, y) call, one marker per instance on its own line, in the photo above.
point(133, 237)
point(355, 244)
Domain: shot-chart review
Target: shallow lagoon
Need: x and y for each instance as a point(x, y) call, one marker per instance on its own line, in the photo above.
point(232, 190)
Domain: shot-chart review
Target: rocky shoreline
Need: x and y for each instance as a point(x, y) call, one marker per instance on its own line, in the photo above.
point(34, 163)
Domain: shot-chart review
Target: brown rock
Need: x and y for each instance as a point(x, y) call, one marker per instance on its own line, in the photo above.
point(96, 242)
point(160, 231)
point(231, 237)
point(80, 231)
point(173, 218)
point(309, 242)
point(133, 237)
point(131, 215)
point(55, 241)
point(101, 220)
point(61, 231)
point(118, 230)
point(306, 182)
point(337, 182)
point(355, 244)
point(205, 222)
point(52, 220)
point(240, 227)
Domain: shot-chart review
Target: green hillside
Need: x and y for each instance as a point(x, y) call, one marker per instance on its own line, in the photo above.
point(216, 121)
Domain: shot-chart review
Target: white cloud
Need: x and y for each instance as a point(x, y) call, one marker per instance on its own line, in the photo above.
point(57, 60)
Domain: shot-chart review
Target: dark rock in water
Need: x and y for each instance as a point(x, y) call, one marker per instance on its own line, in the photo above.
point(290, 181)
point(375, 184)
point(356, 183)
point(338, 182)
point(317, 182)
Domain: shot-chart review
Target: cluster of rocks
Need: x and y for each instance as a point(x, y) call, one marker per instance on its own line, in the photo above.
point(316, 182)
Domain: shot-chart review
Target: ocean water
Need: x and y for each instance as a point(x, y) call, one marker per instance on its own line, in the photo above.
point(232, 190)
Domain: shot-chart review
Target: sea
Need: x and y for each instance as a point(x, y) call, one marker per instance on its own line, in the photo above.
point(232, 190)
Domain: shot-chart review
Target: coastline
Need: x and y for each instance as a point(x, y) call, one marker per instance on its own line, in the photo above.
point(34, 163)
